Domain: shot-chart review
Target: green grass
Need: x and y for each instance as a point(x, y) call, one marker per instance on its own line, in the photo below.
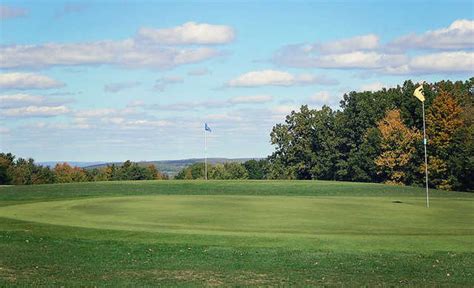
point(263, 233)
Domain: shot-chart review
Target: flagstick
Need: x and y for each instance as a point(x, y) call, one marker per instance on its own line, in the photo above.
point(426, 157)
point(205, 154)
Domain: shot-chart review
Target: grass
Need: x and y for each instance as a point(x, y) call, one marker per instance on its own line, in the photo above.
point(257, 233)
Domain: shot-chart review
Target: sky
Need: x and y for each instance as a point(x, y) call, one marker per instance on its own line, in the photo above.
point(137, 80)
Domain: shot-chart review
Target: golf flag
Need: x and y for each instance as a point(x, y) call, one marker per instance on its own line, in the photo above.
point(206, 128)
point(419, 93)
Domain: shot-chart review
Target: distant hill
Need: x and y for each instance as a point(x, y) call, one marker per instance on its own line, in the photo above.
point(51, 164)
point(172, 167)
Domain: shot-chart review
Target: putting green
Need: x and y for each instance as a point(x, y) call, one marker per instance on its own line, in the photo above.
point(273, 217)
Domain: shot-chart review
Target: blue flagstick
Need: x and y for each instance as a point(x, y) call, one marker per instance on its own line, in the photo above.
point(206, 128)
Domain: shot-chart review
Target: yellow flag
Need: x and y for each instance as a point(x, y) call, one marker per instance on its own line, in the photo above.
point(419, 93)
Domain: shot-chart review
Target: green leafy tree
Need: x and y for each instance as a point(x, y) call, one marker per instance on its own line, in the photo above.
point(305, 145)
point(359, 112)
point(6, 167)
point(256, 169)
point(218, 172)
point(235, 171)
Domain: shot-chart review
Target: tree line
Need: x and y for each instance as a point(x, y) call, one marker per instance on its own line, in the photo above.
point(372, 137)
point(25, 172)
point(377, 137)
point(251, 169)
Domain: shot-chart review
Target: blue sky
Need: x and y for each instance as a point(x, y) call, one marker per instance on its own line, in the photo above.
point(117, 80)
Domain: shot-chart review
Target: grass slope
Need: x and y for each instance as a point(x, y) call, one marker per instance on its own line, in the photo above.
point(213, 233)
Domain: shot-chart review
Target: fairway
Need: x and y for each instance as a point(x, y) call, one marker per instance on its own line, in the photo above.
point(234, 233)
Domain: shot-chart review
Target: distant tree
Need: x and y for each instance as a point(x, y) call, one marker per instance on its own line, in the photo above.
point(42, 175)
point(218, 172)
point(100, 174)
point(235, 171)
point(256, 169)
point(194, 171)
point(6, 168)
point(398, 146)
point(154, 174)
point(230, 170)
point(65, 173)
point(22, 172)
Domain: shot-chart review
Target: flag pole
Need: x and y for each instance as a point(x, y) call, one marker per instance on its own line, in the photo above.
point(426, 157)
point(205, 154)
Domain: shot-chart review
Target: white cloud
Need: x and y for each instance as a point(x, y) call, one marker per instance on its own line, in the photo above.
point(4, 130)
point(136, 103)
point(364, 42)
point(164, 81)
point(359, 59)
point(129, 53)
point(95, 112)
point(283, 110)
point(322, 97)
point(442, 62)
point(376, 86)
point(212, 103)
point(277, 78)
point(458, 35)
point(199, 72)
point(25, 100)
point(70, 8)
point(117, 53)
point(15, 100)
point(105, 112)
point(141, 123)
point(119, 86)
point(188, 33)
point(27, 81)
point(459, 61)
point(296, 57)
point(8, 12)
point(251, 99)
point(35, 111)
point(223, 117)
point(365, 53)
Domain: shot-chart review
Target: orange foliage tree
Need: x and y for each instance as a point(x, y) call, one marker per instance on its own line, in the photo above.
point(65, 173)
point(443, 120)
point(398, 147)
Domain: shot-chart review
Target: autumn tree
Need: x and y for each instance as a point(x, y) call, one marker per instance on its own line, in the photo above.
point(443, 121)
point(398, 146)
point(65, 173)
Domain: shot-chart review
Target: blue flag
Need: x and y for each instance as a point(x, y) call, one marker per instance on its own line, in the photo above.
point(206, 128)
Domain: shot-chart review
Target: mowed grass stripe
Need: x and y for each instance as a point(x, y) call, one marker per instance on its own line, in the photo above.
point(295, 222)
point(198, 187)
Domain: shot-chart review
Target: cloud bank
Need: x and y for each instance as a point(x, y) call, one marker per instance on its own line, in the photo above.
point(277, 78)
point(150, 48)
point(454, 44)
point(22, 81)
